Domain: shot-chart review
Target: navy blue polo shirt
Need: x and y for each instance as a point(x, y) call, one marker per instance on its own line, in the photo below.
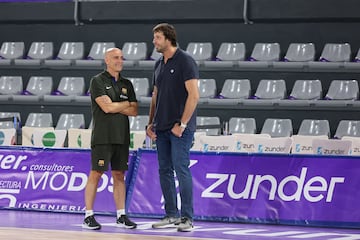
point(170, 81)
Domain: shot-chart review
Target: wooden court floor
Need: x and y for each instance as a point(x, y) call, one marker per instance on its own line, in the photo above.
point(35, 225)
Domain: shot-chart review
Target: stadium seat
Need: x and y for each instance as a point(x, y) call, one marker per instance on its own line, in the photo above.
point(312, 127)
point(36, 88)
point(306, 90)
point(200, 51)
point(68, 120)
point(134, 52)
point(207, 89)
point(333, 56)
point(138, 123)
point(276, 127)
point(341, 93)
point(96, 55)
point(228, 55)
point(297, 56)
point(142, 89)
point(68, 53)
point(349, 128)
point(8, 120)
point(39, 120)
point(68, 88)
point(38, 52)
point(210, 125)
point(150, 63)
point(355, 64)
point(268, 93)
point(303, 93)
point(271, 89)
point(242, 125)
point(9, 86)
point(262, 56)
point(232, 92)
point(343, 90)
point(85, 98)
point(10, 51)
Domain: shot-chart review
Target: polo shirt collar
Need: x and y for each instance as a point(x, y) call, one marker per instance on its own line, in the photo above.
point(173, 56)
point(108, 75)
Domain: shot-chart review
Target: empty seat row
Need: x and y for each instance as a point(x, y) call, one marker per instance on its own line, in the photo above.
point(298, 55)
point(275, 89)
point(65, 121)
point(69, 89)
point(70, 53)
point(41, 88)
point(233, 91)
point(280, 127)
point(272, 126)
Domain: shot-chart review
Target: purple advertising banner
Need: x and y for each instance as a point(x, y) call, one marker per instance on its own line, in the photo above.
point(275, 188)
point(50, 180)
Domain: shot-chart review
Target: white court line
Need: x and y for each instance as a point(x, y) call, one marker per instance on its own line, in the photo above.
point(9, 190)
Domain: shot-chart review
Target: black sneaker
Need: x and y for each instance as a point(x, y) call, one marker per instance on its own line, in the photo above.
point(91, 223)
point(124, 221)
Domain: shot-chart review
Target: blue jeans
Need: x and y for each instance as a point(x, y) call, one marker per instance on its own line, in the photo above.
point(174, 154)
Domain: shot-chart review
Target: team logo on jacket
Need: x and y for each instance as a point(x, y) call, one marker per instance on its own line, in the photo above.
point(124, 91)
point(101, 162)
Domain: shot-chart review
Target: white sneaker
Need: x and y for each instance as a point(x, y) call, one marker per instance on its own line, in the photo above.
point(186, 225)
point(166, 222)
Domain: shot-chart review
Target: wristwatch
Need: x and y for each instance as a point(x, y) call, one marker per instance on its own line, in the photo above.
point(183, 125)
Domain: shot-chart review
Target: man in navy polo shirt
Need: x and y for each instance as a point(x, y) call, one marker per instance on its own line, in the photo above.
point(172, 123)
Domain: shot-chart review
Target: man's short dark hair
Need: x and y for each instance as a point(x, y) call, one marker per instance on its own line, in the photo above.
point(168, 31)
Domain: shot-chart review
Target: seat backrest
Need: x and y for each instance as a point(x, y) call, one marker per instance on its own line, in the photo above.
point(343, 90)
point(236, 88)
point(98, 49)
point(271, 89)
point(231, 52)
point(277, 127)
point(12, 50)
point(242, 125)
point(134, 50)
point(200, 51)
point(266, 52)
point(336, 52)
point(71, 51)
point(72, 86)
point(203, 121)
point(40, 85)
point(155, 55)
point(139, 122)
point(39, 120)
point(357, 57)
point(41, 50)
point(7, 123)
point(348, 128)
point(306, 89)
point(68, 120)
point(141, 86)
point(11, 85)
point(207, 88)
point(300, 52)
point(313, 127)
